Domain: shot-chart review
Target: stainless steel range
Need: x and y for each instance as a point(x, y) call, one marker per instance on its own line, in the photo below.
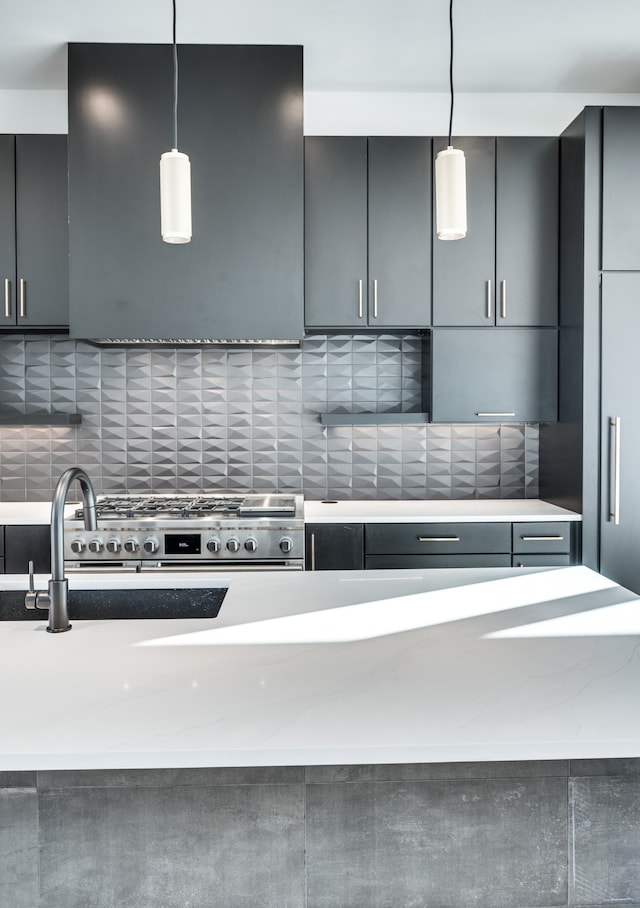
point(205, 532)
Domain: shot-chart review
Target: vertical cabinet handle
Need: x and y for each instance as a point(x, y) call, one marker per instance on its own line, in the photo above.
point(503, 299)
point(360, 312)
point(375, 298)
point(313, 551)
point(7, 298)
point(489, 306)
point(22, 311)
point(614, 487)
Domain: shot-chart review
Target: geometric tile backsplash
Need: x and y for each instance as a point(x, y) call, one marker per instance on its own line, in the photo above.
point(191, 419)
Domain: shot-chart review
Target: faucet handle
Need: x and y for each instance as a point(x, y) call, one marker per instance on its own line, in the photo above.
point(33, 598)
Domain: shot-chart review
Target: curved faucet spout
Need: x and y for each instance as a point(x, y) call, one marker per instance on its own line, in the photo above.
point(56, 598)
point(57, 515)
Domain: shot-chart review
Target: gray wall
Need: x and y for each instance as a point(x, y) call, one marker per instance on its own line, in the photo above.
point(464, 835)
point(191, 419)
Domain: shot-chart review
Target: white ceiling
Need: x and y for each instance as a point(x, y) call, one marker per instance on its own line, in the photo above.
point(354, 45)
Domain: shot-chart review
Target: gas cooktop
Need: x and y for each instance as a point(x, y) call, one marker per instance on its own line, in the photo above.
point(183, 507)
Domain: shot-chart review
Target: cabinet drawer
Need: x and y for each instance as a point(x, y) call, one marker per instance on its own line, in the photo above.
point(541, 537)
point(436, 538)
point(391, 562)
point(541, 560)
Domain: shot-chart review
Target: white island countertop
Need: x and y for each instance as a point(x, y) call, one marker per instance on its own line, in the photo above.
point(486, 510)
point(335, 667)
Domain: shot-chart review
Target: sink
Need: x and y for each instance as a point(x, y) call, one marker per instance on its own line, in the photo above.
point(196, 602)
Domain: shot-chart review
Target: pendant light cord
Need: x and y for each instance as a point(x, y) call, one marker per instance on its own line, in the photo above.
point(450, 65)
point(175, 80)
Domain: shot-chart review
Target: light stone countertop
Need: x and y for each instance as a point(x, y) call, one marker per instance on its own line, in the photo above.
point(359, 511)
point(431, 511)
point(332, 667)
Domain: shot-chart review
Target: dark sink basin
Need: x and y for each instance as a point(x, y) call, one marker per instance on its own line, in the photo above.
point(190, 602)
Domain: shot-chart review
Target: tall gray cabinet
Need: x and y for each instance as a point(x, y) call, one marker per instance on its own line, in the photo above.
point(588, 460)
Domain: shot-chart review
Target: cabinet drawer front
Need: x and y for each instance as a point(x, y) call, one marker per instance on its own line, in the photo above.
point(436, 538)
point(541, 560)
point(541, 537)
point(416, 562)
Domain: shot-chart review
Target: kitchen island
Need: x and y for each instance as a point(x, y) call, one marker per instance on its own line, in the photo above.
point(333, 668)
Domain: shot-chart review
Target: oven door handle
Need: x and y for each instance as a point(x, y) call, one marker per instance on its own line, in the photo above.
point(227, 567)
point(100, 567)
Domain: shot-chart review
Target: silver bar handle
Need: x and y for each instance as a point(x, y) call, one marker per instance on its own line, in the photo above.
point(494, 414)
point(7, 298)
point(503, 299)
point(313, 551)
point(614, 494)
point(375, 298)
point(360, 311)
point(542, 538)
point(23, 298)
point(438, 539)
point(489, 301)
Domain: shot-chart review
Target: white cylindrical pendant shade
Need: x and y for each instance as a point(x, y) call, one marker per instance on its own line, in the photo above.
point(451, 194)
point(175, 197)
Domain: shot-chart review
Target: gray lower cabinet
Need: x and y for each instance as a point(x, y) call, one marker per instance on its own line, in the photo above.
point(334, 547)
point(23, 544)
point(505, 271)
point(34, 232)
point(493, 375)
point(620, 430)
point(389, 546)
point(367, 232)
point(240, 122)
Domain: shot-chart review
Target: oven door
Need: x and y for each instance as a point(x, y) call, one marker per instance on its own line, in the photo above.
point(226, 566)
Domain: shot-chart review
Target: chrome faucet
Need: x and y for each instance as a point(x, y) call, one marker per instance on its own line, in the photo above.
point(56, 598)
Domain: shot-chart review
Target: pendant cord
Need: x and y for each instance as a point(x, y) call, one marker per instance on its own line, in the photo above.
point(450, 66)
point(175, 80)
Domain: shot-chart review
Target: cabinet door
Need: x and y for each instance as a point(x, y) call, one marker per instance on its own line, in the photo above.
point(7, 230)
point(494, 375)
point(42, 231)
point(620, 493)
point(334, 547)
point(240, 119)
point(620, 189)
point(399, 232)
point(464, 270)
point(335, 231)
point(527, 231)
point(436, 538)
point(27, 543)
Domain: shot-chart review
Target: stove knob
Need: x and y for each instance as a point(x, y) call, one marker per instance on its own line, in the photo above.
point(151, 545)
point(78, 545)
point(96, 545)
point(286, 544)
point(113, 545)
point(233, 544)
point(131, 545)
point(251, 544)
point(213, 544)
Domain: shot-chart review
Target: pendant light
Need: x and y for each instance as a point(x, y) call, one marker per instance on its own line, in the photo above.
point(175, 175)
point(451, 180)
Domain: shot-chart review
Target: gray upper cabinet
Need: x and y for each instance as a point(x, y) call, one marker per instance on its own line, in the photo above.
point(505, 271)
point(34, 245)
point(367, 232)
point(504, 375)
point(240, 121)
point(620, 189)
